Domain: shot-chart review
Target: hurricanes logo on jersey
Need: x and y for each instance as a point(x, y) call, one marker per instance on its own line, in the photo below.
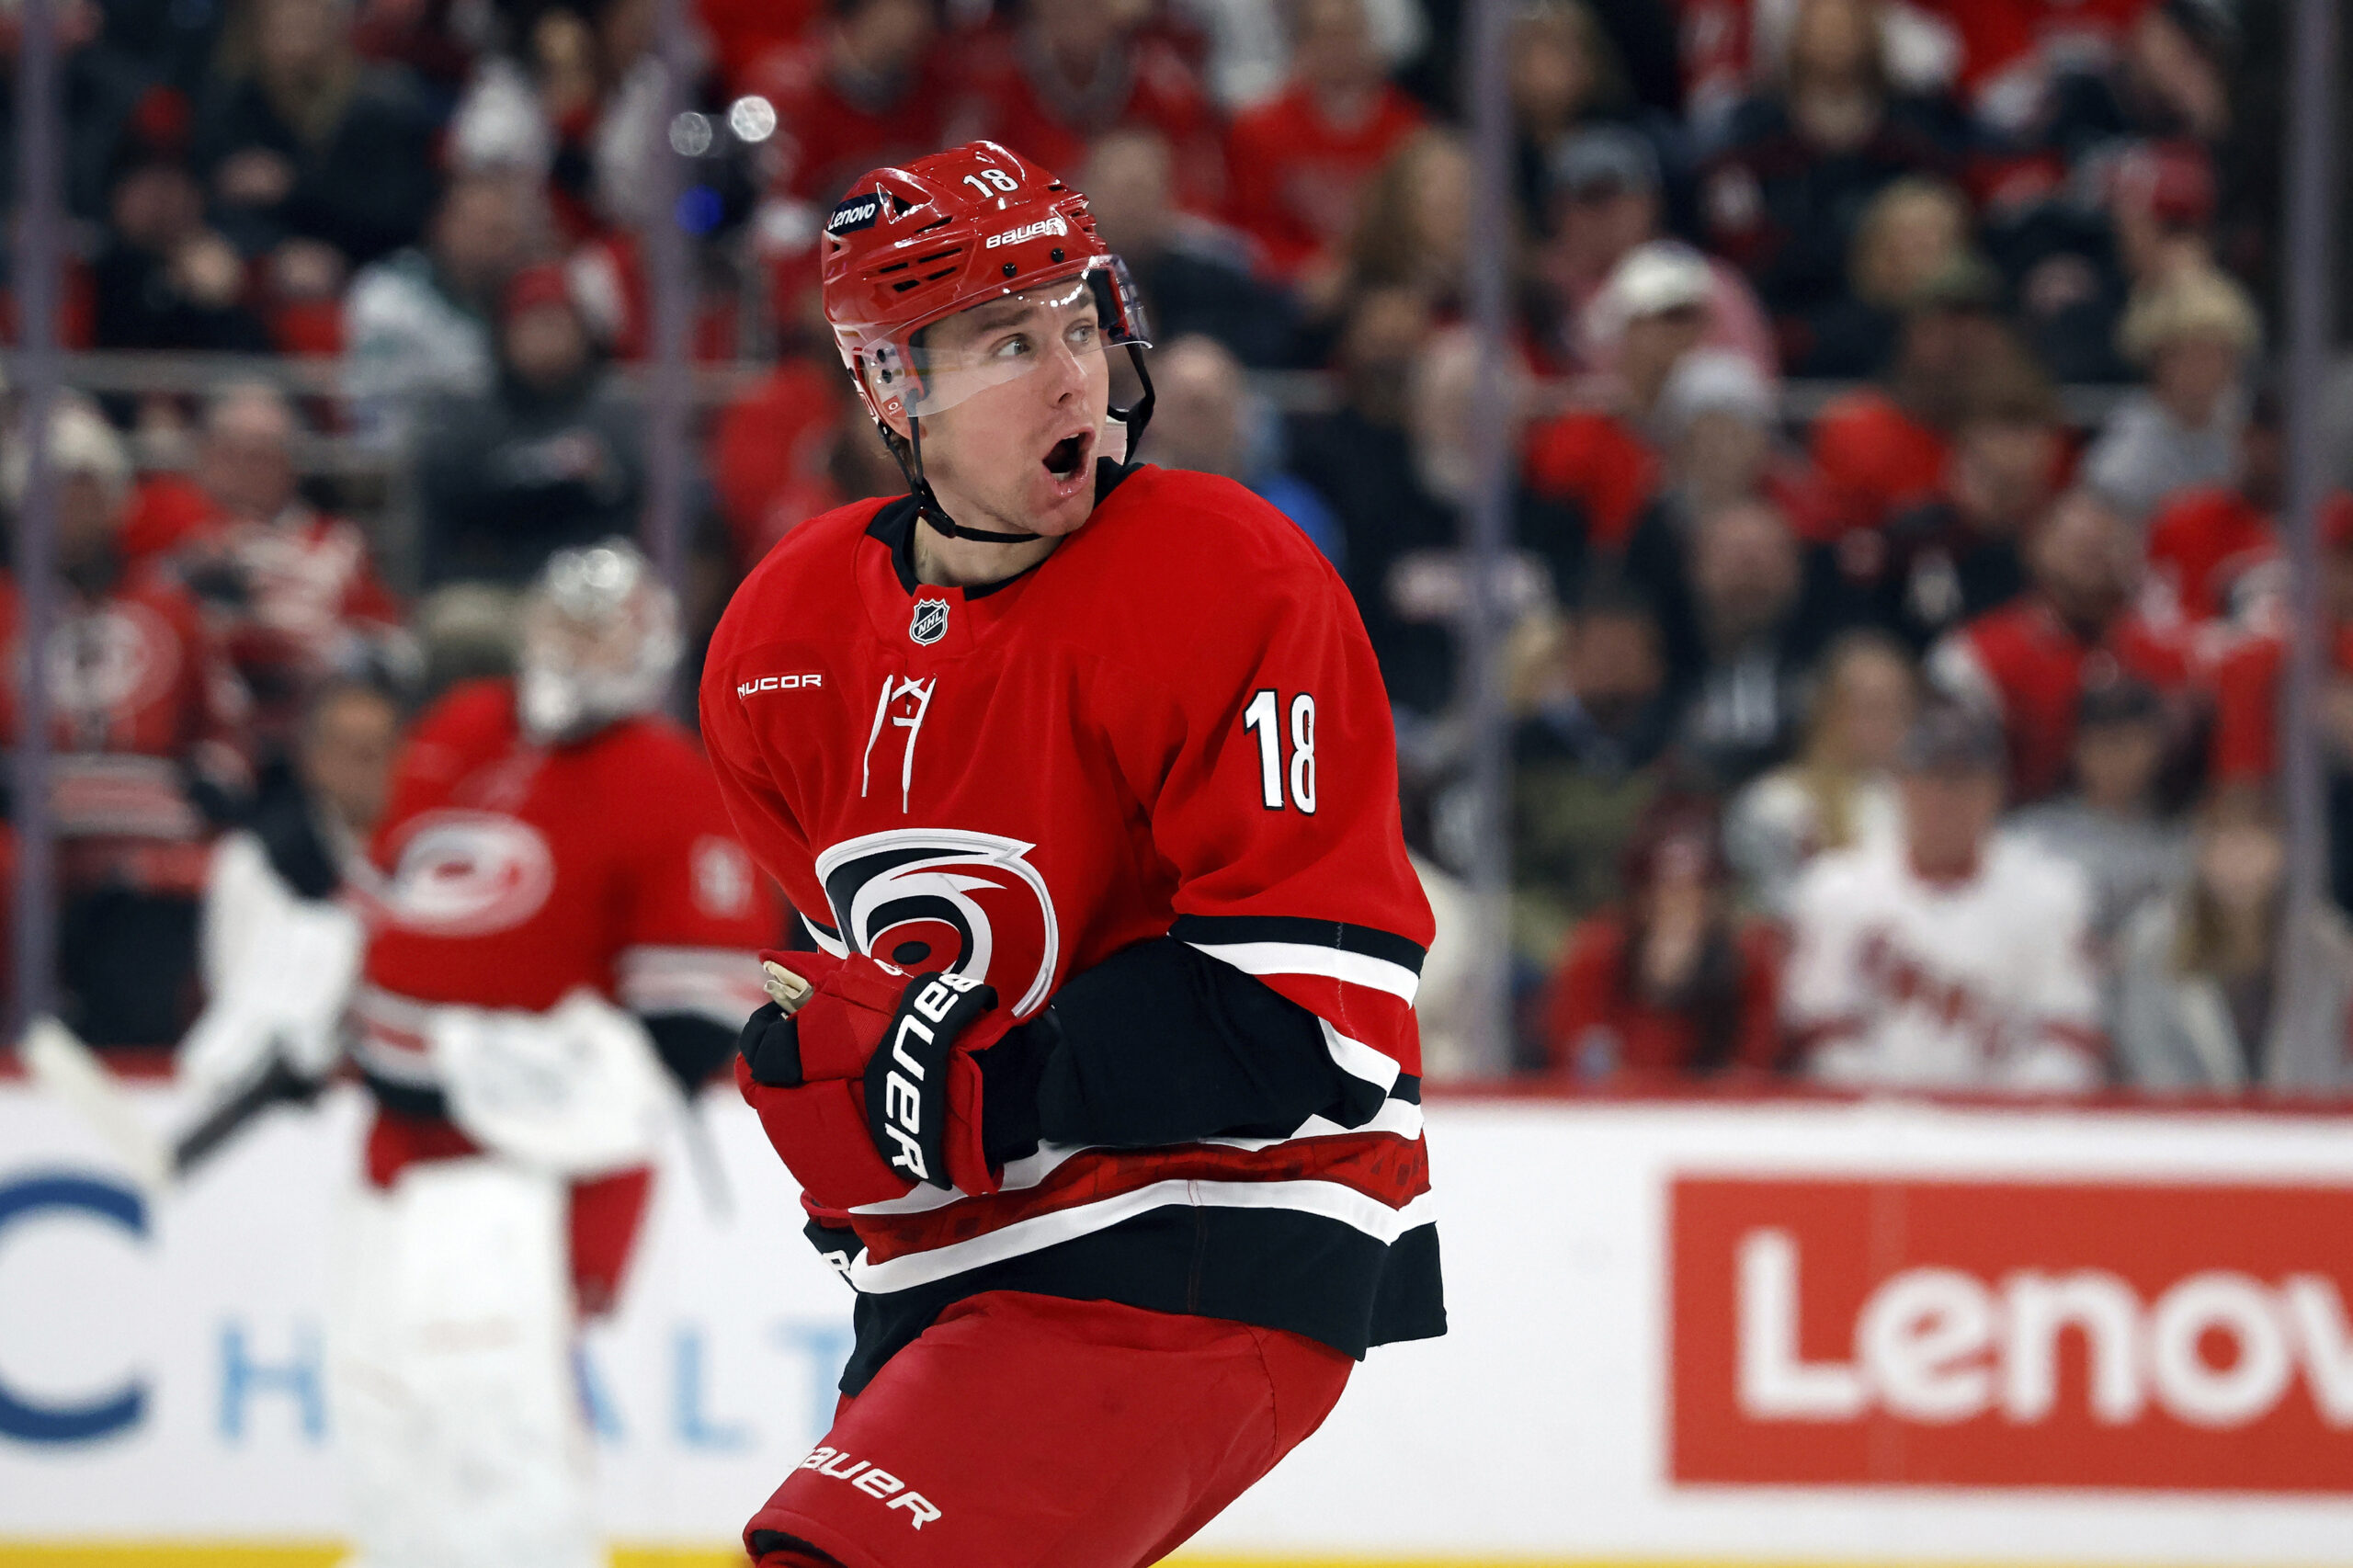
point(929, 623)
point(469, 874)
point(946, 899)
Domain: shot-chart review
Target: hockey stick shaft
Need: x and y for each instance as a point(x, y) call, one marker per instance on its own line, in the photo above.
point(68, 1070)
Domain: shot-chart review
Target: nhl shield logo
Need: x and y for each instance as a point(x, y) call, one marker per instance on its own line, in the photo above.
point(929, 623)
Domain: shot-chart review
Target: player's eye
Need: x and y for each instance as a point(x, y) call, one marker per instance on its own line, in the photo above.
point(1012, 347)
point(1081, 334)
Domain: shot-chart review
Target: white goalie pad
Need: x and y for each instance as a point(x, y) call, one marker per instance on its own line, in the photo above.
point(280, 970)
point(450, 1373)
point(576, 1090)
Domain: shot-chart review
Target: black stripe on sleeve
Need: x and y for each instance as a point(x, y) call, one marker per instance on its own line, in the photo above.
point(1371, 941)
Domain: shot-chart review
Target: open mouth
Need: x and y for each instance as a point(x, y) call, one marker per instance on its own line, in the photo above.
point(1067, 458)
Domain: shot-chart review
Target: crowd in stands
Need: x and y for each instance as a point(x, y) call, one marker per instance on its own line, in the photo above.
point(1925, 735)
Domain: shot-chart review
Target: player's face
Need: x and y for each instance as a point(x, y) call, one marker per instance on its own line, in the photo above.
point(1017, 453)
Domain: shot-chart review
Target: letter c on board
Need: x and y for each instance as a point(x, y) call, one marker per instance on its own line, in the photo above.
point(102, 1415)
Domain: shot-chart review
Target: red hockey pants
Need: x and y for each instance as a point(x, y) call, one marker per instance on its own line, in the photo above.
point(1024, 1431)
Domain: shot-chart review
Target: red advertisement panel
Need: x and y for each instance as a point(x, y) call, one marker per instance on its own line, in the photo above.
point(2011, 1334)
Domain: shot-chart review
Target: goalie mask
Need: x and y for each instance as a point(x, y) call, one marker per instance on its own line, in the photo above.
point(600, 642)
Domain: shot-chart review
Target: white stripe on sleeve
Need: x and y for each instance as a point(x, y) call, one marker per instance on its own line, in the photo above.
point(1308, 958)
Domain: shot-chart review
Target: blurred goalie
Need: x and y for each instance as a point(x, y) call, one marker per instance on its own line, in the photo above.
point(561, 929)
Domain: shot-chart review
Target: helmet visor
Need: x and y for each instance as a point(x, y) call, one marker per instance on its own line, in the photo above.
point(1002, 339)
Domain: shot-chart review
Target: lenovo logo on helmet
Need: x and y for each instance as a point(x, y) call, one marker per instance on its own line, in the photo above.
point(1027, 231)
point(857, 213)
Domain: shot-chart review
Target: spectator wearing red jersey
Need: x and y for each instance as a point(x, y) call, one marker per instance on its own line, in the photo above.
point(1606, 201)
point(1884, 447)
point(768, 451)
point(147, 722)
point(2012, 50)
point(1300, 164)
point(789, 448)
point(1717, 422)
point(1669, 983)
point(1960, 552)
point(2215, 548)
point(2029, 662)
point(744, 33)
point(867, 85)
point(1604, 460)
point(292, 591)
point(2166, 77)
point(1068, 70)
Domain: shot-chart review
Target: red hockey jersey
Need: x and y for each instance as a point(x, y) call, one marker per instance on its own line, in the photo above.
point(516, 872)
point(2027, 665)
point(1172, 727)
point(142, 706)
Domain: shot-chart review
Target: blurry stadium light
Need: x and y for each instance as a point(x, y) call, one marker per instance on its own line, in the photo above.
point(752, 118)
point(690, 135)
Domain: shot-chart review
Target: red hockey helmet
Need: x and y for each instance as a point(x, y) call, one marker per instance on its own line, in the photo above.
point(914, 246)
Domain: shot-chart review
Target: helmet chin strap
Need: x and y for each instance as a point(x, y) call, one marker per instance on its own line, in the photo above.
point(1135, 417)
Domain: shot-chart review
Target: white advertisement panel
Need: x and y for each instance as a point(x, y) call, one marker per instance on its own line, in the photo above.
point(1763, 1332)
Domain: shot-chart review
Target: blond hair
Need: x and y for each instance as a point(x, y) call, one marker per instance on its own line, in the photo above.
point(2194, 302)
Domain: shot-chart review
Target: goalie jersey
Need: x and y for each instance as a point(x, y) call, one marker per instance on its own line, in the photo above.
point(1172, 728)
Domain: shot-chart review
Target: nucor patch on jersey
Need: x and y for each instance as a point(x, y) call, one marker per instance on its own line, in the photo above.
point(947, 899)
point(469, 874)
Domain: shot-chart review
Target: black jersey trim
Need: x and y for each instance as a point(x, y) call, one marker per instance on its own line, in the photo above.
point(894, 525)
point(1215, 930)
point(1272, 1268)
point(407, 1100)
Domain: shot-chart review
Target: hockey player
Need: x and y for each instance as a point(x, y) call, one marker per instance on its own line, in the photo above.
point(565, 914)
point(1954, 958)
point(1104, 1092)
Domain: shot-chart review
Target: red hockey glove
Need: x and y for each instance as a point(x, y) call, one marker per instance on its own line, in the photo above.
point(809, 1071)
point(923, 1093)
